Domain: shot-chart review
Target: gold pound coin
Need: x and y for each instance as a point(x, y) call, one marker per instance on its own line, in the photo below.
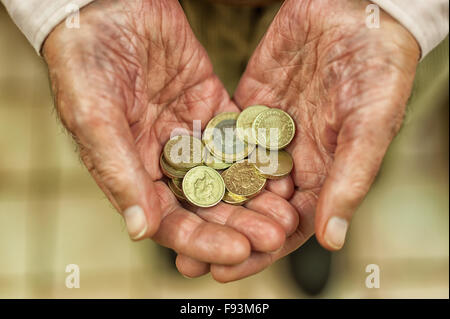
point(273, 129)
point(170, 171)
point(272, 164)
point(175, 186)
point(178, 184)
point(245, 121)
point(221, 140)
point(234, 199)
point(203, 186)
point(243, 179)
point(183, 152)
point(214, 162)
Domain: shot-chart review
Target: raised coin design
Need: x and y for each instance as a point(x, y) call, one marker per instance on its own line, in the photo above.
point(245, 121)
point(273, 129)
point(221, 140)
point(183, 152)
point(272, 164)
point(214, 162)
point(203, 186)
point(243, 179)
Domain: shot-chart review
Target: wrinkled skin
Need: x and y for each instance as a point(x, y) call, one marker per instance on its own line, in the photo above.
point(346, 87)
point(122, 82)
point(142, 73)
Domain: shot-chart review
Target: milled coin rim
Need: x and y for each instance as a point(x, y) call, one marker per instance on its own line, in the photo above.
point(168, 170)
point(279, 176)
point(240, 130)
point(186, 177)
point(217, 166)
point(175, 190)
point(179, 188)
point(242, 199)
point(254, 129)
point(182, 166)
point(256, 172)
point(208, 141)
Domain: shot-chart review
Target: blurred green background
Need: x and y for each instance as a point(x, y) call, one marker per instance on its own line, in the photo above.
point(52, 214)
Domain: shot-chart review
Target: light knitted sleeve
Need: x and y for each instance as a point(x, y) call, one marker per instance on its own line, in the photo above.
point(37, 18)
point(427, 20)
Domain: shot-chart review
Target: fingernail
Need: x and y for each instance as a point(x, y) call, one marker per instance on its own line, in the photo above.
point(335, 232)
point(136, 221)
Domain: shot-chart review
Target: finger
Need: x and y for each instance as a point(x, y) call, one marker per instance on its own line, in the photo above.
point(92, 108)
point(257, 261)
point(190, 267)
point(190, 235)
point(361, 145)
point(283, 187)
point(277, 208)
point(90, 167)
point(115, 164)
point(264, 233)
point(305, 203)
point(252, 265)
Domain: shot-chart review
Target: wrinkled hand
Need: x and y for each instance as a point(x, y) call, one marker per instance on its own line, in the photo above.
point(122, 82)
point(346, 87)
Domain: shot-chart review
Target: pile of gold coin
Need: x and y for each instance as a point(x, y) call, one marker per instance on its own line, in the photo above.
point(232, 161)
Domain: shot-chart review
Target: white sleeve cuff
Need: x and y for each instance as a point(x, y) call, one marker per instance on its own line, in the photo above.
point(427, 20)
point(37, 18)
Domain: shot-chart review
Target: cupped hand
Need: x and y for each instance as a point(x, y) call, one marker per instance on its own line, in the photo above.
point(346, 87)
point(122, 82)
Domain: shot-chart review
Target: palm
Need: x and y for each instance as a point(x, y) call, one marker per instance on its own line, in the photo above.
point(345, 86)
point(321, 74)
point(131, 75)
point(162, 82)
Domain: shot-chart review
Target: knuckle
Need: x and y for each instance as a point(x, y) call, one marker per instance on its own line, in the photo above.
point(179, 263)
point(112, 176)
point(89, 118)
point(359, 187)
point(239, 250)
point(289, 219)
point(275, 237)
point(220, 274)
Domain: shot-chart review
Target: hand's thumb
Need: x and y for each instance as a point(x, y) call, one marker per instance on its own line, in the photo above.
point(109, 152)
point(361, 147)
